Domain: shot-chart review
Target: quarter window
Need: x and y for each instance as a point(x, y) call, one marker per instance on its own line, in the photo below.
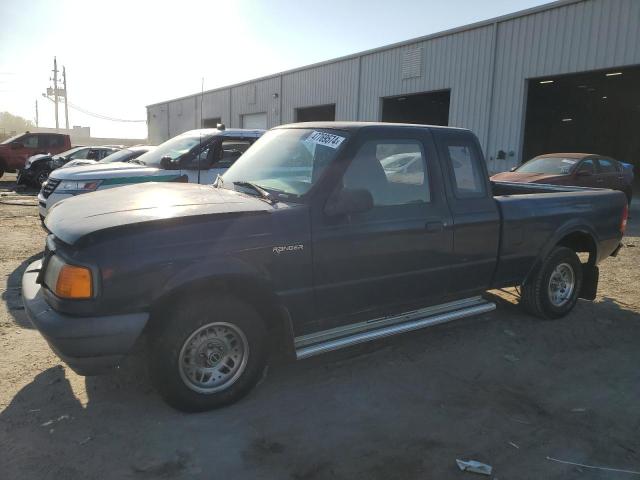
point(463, 158)
point(393, 171)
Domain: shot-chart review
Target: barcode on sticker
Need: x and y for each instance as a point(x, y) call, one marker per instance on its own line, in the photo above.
point(326, 139)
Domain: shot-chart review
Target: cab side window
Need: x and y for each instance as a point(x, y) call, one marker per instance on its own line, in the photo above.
point(232, 149)
point(29, 141)
point(587, 166)
point(51, 141)
point(393, 171)
point(607, 165)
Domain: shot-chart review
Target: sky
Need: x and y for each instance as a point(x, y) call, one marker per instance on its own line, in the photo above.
point(123, 55)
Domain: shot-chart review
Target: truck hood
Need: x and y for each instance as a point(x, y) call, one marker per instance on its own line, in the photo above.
point(76, 217)
point(99, 171)
point(528, 177)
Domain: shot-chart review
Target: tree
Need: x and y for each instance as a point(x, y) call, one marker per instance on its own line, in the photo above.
point(13, 123)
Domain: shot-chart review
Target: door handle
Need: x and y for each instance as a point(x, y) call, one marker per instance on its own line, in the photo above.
point(599, 180)
point(434, 227)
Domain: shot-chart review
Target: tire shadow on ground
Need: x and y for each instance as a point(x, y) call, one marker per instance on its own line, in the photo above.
point(12, 295)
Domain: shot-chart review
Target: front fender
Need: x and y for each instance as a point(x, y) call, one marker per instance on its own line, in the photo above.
point(213, 269)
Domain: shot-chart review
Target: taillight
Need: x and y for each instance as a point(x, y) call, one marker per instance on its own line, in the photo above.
point(625, 217)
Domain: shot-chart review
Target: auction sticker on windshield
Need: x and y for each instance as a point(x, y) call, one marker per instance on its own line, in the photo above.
point(326, 139)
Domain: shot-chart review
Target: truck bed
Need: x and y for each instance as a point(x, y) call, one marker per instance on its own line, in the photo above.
point(535, 217)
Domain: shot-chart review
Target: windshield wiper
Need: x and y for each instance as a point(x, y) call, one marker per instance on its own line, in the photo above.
point(256, 188)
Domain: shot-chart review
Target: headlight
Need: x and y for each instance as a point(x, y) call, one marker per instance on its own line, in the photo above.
point(80, 187)
point(68, 281)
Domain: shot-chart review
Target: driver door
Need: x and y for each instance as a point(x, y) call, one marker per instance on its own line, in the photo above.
point(395, 256)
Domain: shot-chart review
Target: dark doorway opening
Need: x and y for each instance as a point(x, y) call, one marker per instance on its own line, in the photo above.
point(320, 113)
point(592, 112)
point(431, 108)
point(211, 122)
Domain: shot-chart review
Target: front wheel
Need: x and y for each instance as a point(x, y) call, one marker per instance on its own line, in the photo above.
point(208, 354)
point(41, 176)
point(553, 290)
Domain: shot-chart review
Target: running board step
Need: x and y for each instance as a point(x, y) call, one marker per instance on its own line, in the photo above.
point(400, 324)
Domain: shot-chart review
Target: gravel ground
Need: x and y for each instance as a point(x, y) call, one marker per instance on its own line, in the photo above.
point(503, 388)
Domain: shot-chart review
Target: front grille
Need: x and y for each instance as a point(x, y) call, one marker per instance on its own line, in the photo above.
point(51, 185)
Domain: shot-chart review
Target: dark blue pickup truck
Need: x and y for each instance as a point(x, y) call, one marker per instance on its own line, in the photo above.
point(322, 235)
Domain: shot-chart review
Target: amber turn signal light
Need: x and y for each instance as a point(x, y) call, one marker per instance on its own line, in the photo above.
point(74, 282)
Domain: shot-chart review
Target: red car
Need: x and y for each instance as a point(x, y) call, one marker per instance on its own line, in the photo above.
point(14, 151)
point(577, 169)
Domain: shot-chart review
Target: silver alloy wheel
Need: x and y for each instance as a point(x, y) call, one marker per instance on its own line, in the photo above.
point(561, 284)
point(213, 357)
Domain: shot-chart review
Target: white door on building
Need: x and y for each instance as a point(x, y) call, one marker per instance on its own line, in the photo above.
point(255, 120)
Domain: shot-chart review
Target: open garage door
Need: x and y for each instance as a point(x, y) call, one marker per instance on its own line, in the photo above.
point(319, 113)
point(430, 108)
point(255, 120)
point(592, 112)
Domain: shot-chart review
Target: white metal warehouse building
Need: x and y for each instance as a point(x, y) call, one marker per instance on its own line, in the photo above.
point(564, 76)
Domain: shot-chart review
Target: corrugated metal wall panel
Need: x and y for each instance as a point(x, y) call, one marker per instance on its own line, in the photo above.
point(182, 116)
point(157, 126)
point(591, 35)
point(334, 83)
point(216, 105)
point(460, 62)
point(256, 97)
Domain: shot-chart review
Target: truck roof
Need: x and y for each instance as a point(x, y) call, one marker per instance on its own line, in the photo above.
point(353, 126)
point(228, 132)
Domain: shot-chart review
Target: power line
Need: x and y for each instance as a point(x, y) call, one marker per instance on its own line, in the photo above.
point(98, 115)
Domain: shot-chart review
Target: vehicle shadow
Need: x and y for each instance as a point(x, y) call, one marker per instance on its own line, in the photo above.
point(12, 294)
point(403, 407)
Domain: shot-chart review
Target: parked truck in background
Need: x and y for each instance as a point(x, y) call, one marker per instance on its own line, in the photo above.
point(321, 236)
point(15, 151)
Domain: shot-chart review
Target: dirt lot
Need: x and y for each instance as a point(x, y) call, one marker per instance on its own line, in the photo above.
point(503, 388)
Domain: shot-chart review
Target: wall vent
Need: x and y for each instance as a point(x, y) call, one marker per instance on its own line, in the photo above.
point(412, 63)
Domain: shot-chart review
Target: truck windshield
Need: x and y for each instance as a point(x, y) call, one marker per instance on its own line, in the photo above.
point(11, 139)
point(551, 165)
point(174, 148)
point(287, 161)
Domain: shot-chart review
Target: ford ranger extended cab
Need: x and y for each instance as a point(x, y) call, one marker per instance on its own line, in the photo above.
point(14, 151)
point(321, 236)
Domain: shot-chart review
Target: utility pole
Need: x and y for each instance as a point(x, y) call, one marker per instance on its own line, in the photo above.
point(55, 89)
point(36, 112)
point(66, 98)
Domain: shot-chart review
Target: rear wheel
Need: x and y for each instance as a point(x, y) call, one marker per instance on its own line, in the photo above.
point(208, 354)
point(553, 290)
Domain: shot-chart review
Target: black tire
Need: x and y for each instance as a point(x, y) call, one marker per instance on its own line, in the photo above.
point(40, 175)
point(536, 297)
point(168, 339)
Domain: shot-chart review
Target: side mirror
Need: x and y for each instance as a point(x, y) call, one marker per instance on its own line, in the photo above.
point(167, 163)
point(583, 173)
point(16, 145)
point(348, 201)
point(513, 169)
